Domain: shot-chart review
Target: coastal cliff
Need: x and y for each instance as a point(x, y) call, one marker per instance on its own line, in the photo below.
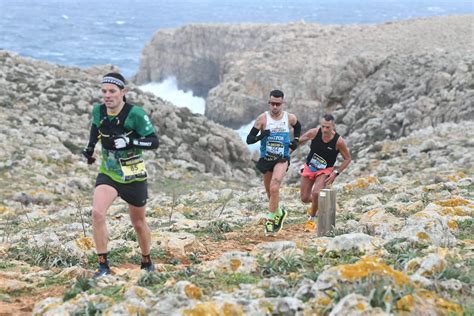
point(45, 122)
point(386, 75)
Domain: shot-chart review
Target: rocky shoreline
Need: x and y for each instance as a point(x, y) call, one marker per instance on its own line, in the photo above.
point(404, 238)
point(382, 81)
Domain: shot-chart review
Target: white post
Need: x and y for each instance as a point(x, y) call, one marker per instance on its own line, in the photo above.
point(326, 211)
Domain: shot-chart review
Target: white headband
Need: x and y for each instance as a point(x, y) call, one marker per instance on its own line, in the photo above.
point(114, 81)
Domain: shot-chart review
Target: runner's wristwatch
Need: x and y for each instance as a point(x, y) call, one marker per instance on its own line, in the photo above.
point(336, 172)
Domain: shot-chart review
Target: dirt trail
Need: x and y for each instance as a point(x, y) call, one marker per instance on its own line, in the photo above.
point(244, 240)
point(248, 239)
point(23, 304)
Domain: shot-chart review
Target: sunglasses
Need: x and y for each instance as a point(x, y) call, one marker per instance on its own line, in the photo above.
point(275, 103)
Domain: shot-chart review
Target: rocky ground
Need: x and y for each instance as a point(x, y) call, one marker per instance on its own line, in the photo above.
point(361, 73)
point(404, 238)
point(403, 243)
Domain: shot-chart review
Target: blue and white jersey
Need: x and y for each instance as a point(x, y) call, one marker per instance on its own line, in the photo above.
point(277, 144)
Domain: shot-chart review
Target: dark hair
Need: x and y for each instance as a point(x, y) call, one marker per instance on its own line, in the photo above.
point(120, 82)
point(277, 94)
point(328, 117)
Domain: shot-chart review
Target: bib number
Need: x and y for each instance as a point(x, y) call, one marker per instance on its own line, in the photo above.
point(275, 150)
point(317, 163)
point(133, 168)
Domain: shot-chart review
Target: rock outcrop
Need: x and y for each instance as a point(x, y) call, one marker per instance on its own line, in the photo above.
point(379, 80)
point(403, 243)
point(44, 123)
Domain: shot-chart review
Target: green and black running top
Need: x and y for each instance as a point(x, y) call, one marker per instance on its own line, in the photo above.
point(124, 165)
point(322, 155)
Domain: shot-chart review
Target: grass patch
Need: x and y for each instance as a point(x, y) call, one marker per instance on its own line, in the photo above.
point(381, 292)
point(6, 265)
point(279, 264)
point(82, 284)
point(465, 229)
point(215, 230)
point(115, 256)
point(232, 280)
point(115, 292)
point(5, 298)
point(314, 263)
point(45, 256)
point(51, 281)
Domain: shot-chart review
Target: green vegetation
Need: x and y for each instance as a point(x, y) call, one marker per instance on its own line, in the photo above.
point(49, 281)
point(465, 229)
point(215, 230)
point(45, 256)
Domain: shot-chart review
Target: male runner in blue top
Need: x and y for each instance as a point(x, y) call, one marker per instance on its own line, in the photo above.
point(275, 144)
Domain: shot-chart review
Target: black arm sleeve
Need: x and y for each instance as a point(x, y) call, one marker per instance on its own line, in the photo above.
point(148, 142)
point(252, 136)
point(93, 137)
point(297, 130)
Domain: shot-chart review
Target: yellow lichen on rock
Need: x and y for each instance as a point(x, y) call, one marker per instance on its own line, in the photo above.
point(423, 236)
point(324, 301)
point(193, 291)
point(454, 211)
point(422, 214)
point(348, 187)
point(369, 266)
point(235, 264)
point(440, 303)
point(452, 224)
point(203, 309)
point(412, 265)
point(85, 243)
point(457, 176)
point(372, 213)
point(232, 310)
point(360, 307)
point(135, 310)
point(159, 211)
point(3, 209)
point(361, 183)
point(453, 202)
point(405, 303)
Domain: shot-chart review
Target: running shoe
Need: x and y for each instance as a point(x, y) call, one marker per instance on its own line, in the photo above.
point(269, 227)
point(310, 226)
point(101, 271)
point(279, 220)
point(148, 267)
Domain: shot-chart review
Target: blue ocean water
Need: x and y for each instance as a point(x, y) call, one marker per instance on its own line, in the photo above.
point(90, 32)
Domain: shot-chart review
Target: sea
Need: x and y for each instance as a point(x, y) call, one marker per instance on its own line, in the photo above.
point(89, 32)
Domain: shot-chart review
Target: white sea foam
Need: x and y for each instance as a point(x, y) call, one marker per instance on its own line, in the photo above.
point(243, 131)
point(435, 9)
point(168, 90)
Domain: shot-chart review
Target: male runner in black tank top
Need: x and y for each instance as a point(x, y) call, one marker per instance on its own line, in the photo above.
point(319, 169)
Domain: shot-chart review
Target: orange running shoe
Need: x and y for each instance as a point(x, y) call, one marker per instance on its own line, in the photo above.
point(310, 226)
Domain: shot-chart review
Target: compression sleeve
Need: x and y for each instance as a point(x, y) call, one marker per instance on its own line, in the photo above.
point(148, 142)
point(93, 137)
point(297, 130)
point(252, 136)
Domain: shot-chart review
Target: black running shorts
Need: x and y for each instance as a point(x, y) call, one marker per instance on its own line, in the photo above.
point(134, 193)
point(265, 166)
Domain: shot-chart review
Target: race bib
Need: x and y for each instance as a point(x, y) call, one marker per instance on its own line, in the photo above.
point(133, 168)
point(317, 163)
point(275, 150)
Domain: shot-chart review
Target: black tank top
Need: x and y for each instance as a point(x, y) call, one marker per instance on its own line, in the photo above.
point(108, 128)
point(322, 155)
